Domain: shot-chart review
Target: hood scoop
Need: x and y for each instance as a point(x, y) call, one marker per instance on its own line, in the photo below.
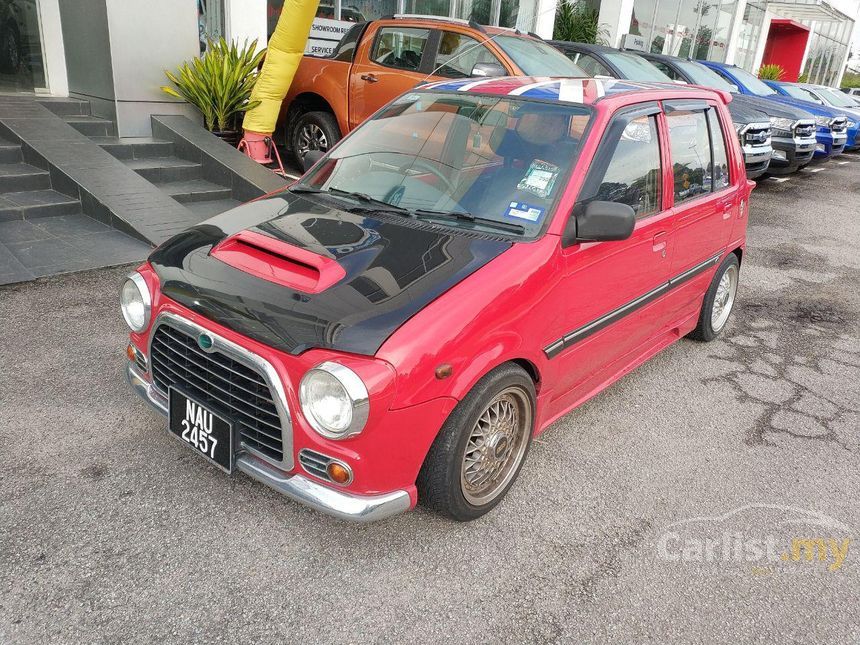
point(276, 261)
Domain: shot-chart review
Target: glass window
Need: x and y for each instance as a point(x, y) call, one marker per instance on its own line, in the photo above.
point(481, 11)
point(691, 154)
point(363, 10)
point(536, 58)
point(502, 159)
point(720, 166)
point(720, 31)
point(801, 93)
point(400, 47)
point(589, 64)
point(749, 35)
point(458, 54)
point(21, 63)
point(636, 68)
point(427, 7)
point(633, 174)
point(665, 26)
point(705, 76)
point(668, 71)
point(753, 83)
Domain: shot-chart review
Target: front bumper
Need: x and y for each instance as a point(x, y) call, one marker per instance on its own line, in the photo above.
point(790, 153)
point(345, 506)
point(830, 144)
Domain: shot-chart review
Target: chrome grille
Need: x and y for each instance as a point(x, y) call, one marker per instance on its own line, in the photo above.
point(804, 131)
point(757, 136)
point(839, 125)
point(314, 462)
point(235, 390)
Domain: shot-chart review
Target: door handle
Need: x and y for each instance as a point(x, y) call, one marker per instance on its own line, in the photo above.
point(370, 78)
point(658, 243)
point(727, 210)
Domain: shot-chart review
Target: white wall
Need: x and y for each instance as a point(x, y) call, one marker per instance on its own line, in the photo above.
point(246, 20)
point(54, 50)
point(615, 17)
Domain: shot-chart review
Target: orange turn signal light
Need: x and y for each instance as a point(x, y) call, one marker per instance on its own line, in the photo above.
point(338, 473)
point(130, 352)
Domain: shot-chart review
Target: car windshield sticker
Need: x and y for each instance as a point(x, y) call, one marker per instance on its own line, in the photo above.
point(524, 211)
point(539, 179)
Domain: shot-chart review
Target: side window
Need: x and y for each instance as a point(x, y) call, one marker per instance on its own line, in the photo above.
point(458, 54)
point(690, 147)
point(591, 65)
point(721, 157)
point(668, 71)
point(632, 176)
point(400, 47)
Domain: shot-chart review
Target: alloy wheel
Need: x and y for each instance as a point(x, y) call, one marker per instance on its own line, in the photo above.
point(496, 446)
point(312, 137)
point(724, 299)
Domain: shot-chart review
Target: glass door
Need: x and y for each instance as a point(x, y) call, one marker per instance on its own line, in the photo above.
point(22, 66)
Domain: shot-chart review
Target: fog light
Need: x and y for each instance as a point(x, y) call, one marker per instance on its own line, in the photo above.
point(339, 473)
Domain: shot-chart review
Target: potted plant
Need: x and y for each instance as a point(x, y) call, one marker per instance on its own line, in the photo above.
point(219, 84)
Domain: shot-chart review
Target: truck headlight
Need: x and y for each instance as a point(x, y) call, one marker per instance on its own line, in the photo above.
point(822, 121)
point(779, 123)
point(334, 400)
point(738, 127)
point(136, 302)
point(852, 124)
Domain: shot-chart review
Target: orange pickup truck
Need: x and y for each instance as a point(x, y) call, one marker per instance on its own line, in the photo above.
point(379, 60)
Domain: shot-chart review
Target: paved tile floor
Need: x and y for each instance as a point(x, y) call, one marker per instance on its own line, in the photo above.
point(50, 245)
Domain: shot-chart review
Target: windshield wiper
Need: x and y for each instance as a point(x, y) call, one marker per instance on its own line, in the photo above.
point(361, 197)
point(463, 216)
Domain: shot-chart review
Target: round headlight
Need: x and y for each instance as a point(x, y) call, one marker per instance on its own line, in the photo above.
point(334, 400)
point(136, 302)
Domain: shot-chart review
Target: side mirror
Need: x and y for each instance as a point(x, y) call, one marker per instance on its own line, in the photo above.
point(734, 88)
point(310, 158)
point(600, 222)
point(488, 69)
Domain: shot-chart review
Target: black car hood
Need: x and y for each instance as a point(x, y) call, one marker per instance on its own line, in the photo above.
point(773, 107)
point(743, 111)
point(390, 270)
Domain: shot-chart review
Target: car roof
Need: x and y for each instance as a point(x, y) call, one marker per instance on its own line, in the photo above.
point(584, 91)
point(566, 44)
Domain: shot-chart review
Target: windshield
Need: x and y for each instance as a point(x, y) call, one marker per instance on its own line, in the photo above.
point(754, 85)
point(538, 59)
point(800, 93)
point(705, 76)
point(498, 163)
point(835, 97)
point(635, 68)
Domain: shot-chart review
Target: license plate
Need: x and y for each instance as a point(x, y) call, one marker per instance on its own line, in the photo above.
point(205, 432)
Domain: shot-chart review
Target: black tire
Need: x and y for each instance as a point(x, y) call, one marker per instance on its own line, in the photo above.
point(705, 331)
point(323, 121)
point(10, 49)
point(439, 481)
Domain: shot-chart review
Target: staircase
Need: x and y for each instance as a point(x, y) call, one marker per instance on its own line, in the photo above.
point(153, 159)
point(25, 191)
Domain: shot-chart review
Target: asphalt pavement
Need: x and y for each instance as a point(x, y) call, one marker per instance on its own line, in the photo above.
point(670, 508)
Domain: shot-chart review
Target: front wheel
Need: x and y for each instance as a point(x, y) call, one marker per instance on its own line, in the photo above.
point(312, 131)
point(719, 300)
point(480, 450)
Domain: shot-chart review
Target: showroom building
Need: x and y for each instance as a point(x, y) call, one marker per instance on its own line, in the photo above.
point(115, 51)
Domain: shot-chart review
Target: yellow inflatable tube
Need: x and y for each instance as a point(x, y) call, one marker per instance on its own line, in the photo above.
point(285, 50)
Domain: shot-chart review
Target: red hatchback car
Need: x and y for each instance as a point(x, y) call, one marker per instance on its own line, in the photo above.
point(463, 269)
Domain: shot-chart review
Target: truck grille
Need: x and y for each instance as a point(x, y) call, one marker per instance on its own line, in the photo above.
point(757, 136)
point(839, 125)
point(231, 388)
point(804, 131)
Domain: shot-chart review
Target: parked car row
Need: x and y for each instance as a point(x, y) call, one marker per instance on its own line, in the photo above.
point(781, 127)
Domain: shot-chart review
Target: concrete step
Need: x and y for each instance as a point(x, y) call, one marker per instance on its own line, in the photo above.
point(92, 126)
point(135, 148)
point(17, 177)
point(210, 208)
point(165, 169)
point(33, 204)
point(195, 190)
point(66, 106)
point(10, 152)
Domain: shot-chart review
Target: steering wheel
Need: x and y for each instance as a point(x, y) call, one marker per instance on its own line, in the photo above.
point(433, 170)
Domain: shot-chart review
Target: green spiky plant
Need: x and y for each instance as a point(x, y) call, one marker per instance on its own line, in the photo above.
point(579, 22)
point(771, 72)
point(219, 83)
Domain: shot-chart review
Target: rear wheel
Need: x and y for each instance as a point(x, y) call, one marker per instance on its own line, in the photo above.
point(312, 131)
point(478, 454)
point(719, 300)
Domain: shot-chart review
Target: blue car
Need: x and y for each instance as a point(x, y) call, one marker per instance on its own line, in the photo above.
point(832, 133)
point(825, 98)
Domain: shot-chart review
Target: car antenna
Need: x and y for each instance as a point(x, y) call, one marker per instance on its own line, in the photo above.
point(474, 24)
